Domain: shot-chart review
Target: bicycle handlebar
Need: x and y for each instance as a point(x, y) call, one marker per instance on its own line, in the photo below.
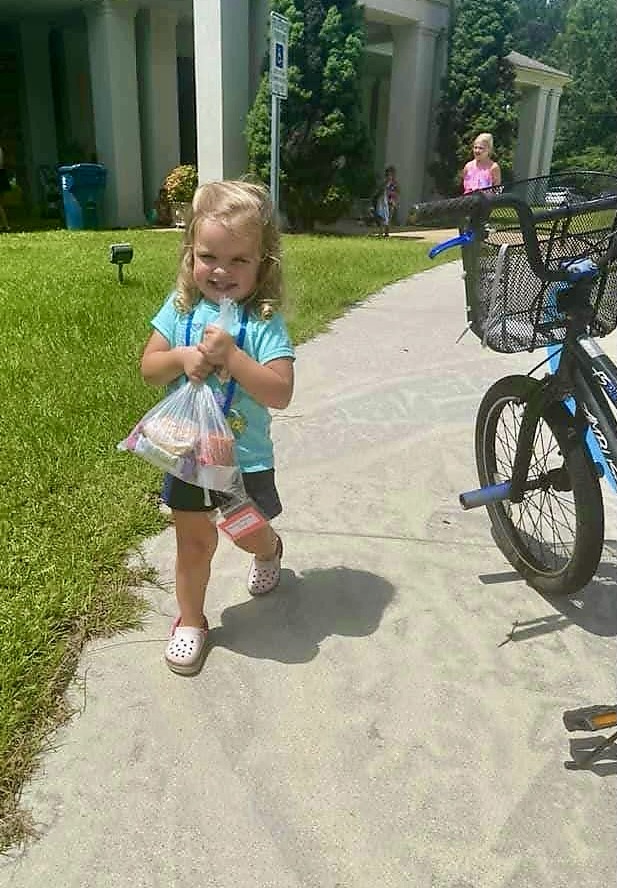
point(454, 209)
point(477, 207)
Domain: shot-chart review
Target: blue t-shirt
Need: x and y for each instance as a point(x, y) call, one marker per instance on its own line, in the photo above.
point(264, 341)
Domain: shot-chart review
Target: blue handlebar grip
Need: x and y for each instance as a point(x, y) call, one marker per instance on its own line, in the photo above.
point(465, 237)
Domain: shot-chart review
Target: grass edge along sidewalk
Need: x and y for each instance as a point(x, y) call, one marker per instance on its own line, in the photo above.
point(71, 507)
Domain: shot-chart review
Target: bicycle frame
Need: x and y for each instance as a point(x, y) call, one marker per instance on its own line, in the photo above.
point(587, 375)
point(595, 387)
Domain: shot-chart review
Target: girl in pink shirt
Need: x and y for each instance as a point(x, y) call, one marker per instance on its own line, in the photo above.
point(482, 171)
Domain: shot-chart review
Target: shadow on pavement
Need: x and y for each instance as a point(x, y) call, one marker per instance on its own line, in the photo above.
point(594, 608)
point(290, 624)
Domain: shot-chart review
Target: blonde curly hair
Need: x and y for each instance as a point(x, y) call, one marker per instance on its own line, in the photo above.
point(245, 209)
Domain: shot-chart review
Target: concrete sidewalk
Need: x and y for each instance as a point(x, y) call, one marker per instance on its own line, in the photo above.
point(376, 722)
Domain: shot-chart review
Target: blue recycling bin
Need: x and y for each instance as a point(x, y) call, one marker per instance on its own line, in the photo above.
point(82, 186)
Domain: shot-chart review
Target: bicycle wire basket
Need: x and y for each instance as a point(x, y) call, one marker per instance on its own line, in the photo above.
point(508, 307)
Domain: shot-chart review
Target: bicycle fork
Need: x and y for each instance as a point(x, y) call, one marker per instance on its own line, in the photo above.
point(515, 489)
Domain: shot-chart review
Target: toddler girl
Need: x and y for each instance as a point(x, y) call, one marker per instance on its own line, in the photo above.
point(231, 248)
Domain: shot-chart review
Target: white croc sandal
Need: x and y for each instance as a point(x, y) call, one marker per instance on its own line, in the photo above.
point(187, 648)
point(264, 576)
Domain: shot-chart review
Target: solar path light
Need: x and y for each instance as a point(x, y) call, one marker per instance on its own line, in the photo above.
point(120, 255)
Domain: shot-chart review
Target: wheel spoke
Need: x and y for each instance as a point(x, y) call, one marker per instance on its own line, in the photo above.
point(546, 518)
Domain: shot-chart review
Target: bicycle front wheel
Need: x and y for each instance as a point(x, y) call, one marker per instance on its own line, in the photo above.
point(554, 537)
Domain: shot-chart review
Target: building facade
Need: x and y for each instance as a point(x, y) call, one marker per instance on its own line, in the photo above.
point(142, 85)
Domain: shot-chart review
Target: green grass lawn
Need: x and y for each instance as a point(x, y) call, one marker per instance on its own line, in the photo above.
point(71, 506)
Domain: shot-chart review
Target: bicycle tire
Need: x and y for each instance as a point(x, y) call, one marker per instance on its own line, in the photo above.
point(553, 565)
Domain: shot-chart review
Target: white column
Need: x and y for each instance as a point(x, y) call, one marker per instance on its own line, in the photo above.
point(538, 131)
point(550, 127)
point(113, 67)
point(411, 95)
point(522, 149)
point(221, 86)
point(37, 103)
point(158, 76)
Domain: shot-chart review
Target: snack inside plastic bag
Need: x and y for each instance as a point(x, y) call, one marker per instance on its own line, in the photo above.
point(187, 435)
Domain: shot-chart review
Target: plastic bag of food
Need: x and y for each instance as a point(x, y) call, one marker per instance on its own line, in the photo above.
point(187, 435)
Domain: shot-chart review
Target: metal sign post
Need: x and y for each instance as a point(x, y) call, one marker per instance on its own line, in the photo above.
point(279, 36)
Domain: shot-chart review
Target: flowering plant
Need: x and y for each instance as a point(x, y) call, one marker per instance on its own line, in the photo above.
point(180, 183)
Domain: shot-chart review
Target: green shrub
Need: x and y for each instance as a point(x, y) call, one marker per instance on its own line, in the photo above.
point(180, 183)
point(595, 158)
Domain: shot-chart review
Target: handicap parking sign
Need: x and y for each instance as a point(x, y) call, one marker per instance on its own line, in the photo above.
point(279, 34)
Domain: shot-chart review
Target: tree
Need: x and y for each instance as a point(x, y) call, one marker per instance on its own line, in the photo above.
point(539, 23)
point(478, 89)
point(588, 109)
point(326, 154)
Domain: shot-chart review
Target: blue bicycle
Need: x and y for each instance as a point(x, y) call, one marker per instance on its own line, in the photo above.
point(540, 275)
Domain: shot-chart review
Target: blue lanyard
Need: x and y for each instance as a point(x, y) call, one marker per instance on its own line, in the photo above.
point(231, 385)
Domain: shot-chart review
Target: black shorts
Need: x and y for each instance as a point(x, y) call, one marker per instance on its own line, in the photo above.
point(260, 487)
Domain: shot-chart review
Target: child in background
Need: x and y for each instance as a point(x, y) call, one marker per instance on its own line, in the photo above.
point(386, 201)
point(231, 248)
point(482, 171)
point(392, 194)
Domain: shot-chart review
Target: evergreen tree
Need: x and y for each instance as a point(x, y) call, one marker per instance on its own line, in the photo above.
point(326, 155)
point(478, 89)
point(588, 109)
point(539, 23)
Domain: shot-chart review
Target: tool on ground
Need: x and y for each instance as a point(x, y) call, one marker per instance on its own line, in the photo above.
point(591, 718)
